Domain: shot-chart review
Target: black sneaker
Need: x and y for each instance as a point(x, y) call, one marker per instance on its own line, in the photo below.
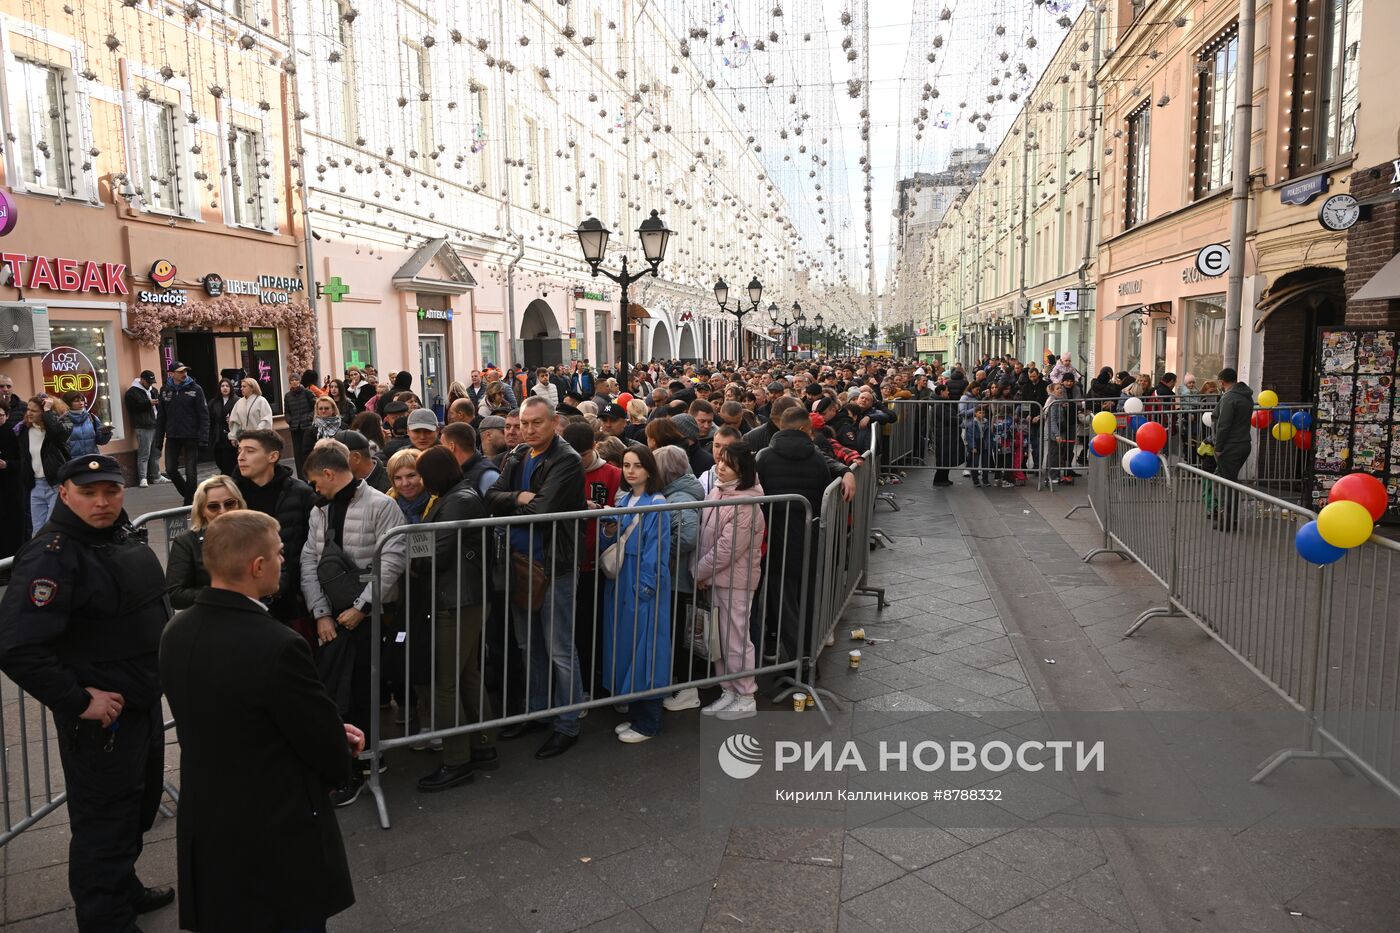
point(349, 792)
point(446, 777)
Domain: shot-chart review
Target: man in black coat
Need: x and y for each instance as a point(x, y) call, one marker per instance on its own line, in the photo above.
point(269, 487)
point(183, 423)
point(540, 477)
point(299, 408)
point(261, 746)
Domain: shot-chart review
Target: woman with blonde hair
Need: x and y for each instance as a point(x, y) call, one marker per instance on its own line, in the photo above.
point(408, 491)
point(250, 413)
point(185, 576)
point(43, 446)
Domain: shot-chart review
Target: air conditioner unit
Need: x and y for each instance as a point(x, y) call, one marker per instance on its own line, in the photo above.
point(24, 329)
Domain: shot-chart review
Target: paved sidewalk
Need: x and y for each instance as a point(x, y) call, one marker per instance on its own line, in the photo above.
point(985, 587)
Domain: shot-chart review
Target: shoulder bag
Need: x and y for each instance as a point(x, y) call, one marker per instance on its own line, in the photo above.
point(337, 573)
point(611, 558)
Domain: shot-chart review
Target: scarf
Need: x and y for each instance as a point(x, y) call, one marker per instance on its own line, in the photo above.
point(414, 508)
point(327, 427)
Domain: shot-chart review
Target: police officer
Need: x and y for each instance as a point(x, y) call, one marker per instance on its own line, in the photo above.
point(80, 627)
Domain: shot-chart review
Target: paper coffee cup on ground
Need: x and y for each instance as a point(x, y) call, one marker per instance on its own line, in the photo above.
point(857, 634)
point(799, 702)
point(855, 658)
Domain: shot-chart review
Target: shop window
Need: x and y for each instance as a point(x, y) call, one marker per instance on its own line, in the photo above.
point(1215, 112)
point(357, 346)
point(1205, 336)
point(1327, 46)
point(265, 364)
point(90, 338)
point(1131, 351)
point(1135, 188)
point(491, 349)
point(41, 121)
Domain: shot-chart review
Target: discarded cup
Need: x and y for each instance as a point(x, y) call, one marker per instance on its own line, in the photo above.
point(799, 702)
point(855, 659)
point(857, 634)
point(811, 701)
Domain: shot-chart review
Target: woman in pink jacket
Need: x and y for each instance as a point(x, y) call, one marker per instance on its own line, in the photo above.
point(728, 564)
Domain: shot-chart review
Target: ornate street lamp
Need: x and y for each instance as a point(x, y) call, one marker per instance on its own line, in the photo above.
point(755, 291)
point(593, 240)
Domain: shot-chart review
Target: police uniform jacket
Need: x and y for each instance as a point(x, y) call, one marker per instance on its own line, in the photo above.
point(85, 608)
point(261, 747)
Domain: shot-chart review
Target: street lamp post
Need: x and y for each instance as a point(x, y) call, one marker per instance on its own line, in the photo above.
point(593, 239)
point(755, 291)
point(821, 332)
point(796, 319)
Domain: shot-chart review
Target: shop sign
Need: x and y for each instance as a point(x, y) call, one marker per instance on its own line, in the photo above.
point(580, 293)
point(66, 275)
point(67, 369)
point(1067, 299)
point(213, 284)
point(1303, 191)
point(434, 314)
point(163, 272)
point(9, 213)
point(1130, 287)
point(268, 289)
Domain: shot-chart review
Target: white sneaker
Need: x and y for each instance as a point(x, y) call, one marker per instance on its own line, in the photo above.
point(622, 727)
point(689, 698)
point(632, 737)
point(725, 699)
point(163, 479)
point(967, 472)
point(143, 484)
point(742, 708)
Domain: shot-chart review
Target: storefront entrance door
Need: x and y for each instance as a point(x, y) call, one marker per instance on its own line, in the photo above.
point(1159, 350)
point(432, 380)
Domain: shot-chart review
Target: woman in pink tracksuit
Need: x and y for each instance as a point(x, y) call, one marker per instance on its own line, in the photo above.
point(727, 563)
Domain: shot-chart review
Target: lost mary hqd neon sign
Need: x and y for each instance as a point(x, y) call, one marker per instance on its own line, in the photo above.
point(66, 275)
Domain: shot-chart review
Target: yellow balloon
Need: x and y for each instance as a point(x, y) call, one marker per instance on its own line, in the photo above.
point(1104, 423)
point(1344, 524)
point(1268, 398)
point(1283, 431)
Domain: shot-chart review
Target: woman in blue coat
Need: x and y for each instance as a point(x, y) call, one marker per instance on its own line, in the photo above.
point(637, 605)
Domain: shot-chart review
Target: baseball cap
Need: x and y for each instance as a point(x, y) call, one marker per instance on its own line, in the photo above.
point(687, 425)
point(94, 469)
point(353, 440)
point(493, 423)
point(818, 422)
point(176, 367)
point(612, 412)
point(148, 375)
point(422, 419)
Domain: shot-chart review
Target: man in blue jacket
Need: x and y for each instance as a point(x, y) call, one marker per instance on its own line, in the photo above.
point(183, 421)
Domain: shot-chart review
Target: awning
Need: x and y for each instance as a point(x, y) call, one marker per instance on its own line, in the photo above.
point(1317, 289)
point(435, 269)
point(1161, 307)
point(636, 312)
point(1384, 284)
point(759, 332)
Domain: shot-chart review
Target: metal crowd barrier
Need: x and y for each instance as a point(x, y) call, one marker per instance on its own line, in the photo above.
point(933, 434)
point(29, 788)
point(1322, 638)
point(640, 647)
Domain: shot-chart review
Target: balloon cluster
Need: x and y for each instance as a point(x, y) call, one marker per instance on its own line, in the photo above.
point(1357, 501)
point(1283, 424)
point(1145, 462)
point(1104, 443)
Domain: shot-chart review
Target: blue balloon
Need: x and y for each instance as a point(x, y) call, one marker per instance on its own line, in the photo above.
point(1302, 420)
point(1282, 414)
point(1135, 422)
point(1145, 465)
point(1313, 549)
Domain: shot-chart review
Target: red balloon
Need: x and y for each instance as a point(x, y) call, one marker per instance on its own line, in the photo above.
point(1303, 440)
point(1261, 419)
point(1104, 444)
point(1363, 489)
point(624, 399)
point(1151, 437)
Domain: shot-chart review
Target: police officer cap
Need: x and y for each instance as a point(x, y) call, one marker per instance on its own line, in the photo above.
point(93, 469)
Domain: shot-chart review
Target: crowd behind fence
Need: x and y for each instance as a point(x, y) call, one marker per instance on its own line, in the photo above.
point(1325, 639)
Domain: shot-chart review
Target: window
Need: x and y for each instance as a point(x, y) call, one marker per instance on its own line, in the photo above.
point(580, 350)
point(490, 348)
point(1205, 336)
point(1135, 187)
point(1215, 113)
point(419, 112)
point(264, 363)
point(335, 64)
point(247, 201)
point(1131, 351)
point(45, 141)
point(1327, 44)
point(357, 345)
point(90, 339)
point(157, 156)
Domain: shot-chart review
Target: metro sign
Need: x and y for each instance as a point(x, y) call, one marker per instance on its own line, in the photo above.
point(66, 275)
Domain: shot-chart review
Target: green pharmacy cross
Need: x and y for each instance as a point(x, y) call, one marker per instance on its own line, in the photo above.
point(335, 289)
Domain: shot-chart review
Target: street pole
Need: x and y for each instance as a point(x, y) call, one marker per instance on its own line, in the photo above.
point(1239, 193)
point(1092, 180)
point(622, 365)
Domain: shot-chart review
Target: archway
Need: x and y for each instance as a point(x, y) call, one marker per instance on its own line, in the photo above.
point(539, 331)
point(689, 346)
point(662, 347)
point(1289, 313)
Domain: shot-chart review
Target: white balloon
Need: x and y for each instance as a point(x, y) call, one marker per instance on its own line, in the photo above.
point(1133, 405)
point(1208, 419)
point(1127, 461)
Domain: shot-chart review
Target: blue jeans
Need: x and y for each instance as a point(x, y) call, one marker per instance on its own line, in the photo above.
point(645, 716)
point(547, 638)
point(42, 499)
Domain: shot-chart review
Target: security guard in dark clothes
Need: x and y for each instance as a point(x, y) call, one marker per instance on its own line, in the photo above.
point(80, 628)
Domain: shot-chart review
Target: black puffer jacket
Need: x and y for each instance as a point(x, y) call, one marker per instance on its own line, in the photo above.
point(54, 452)
point(294, 502)
point(184, 412)
point(299, 407)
